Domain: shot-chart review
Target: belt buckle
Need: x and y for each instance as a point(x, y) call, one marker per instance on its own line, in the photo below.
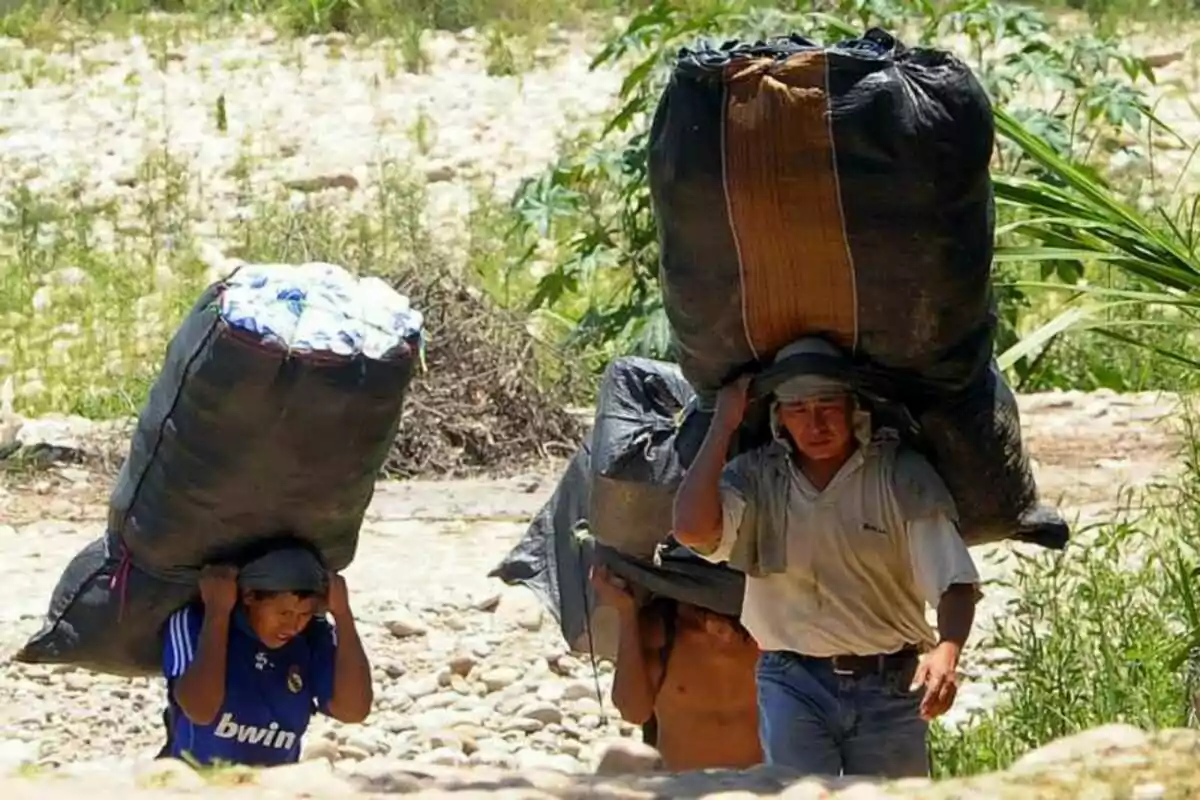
point(833, 662)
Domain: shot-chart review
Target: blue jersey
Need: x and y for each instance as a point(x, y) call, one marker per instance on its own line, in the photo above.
point(270, 695)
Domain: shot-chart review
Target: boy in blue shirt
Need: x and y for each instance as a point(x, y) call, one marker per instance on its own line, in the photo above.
point(249, 665)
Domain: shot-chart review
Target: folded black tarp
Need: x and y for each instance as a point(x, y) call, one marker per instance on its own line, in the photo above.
point(253, 430)
point(845, 191)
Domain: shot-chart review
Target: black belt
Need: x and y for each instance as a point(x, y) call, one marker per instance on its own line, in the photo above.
point(860, 666)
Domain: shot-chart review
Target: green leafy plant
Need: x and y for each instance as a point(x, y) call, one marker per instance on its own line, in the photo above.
point(1068, 217)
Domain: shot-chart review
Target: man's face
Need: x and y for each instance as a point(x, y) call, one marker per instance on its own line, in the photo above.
point(821, 426)
point(278, 618)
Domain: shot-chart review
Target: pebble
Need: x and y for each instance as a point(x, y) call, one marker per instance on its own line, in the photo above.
point(522, 724)
point(462, 665)
point(537, 760)
point(623, 756)
point(446, 756)
point(521, 609)
point(319, 748)
point(500, 678)
point(552, 692)
point(366, 740)
point(578, 690)
point(378, 774)
point(405, 624)
point(545, 713)
point(421, 687)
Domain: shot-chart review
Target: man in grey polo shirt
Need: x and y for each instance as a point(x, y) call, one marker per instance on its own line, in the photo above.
point(844, 538)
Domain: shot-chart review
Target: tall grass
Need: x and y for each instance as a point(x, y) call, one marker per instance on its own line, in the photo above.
point(90, 295)
point(86, 299)
point(1065, 213)
point(1102, 632)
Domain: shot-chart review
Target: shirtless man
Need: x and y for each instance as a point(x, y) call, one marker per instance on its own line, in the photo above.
point(692, 672)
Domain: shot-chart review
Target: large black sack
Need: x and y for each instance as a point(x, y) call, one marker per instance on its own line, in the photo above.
point(845, 191)
point(243, 438)
point(555, 557)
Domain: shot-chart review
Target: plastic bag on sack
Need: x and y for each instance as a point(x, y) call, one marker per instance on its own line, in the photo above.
point(648, 429)
point(555, 557)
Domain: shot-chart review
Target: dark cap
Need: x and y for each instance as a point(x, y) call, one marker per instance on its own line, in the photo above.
point(286, 569)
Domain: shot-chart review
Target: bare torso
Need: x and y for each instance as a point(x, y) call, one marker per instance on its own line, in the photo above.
point(707, 706)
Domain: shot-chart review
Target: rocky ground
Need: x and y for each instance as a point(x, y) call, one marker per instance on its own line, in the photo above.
point(1115, 761)
point(247, 114)
point(468, 671)
point(251, 115)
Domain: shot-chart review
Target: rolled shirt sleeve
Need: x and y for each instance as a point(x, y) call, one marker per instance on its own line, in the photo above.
point(733, 505)
point(940, 558)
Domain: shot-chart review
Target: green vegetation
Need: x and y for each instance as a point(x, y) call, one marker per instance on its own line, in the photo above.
point(84, 284)
point(1112, 11)
point(1105, 632)
point(1084, 95)
point(83, 333)
point(1097, 272)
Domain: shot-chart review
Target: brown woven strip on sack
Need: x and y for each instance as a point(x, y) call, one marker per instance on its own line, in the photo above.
point(784, 205)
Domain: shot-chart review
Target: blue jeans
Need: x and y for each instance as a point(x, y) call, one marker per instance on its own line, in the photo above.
point(825, 724)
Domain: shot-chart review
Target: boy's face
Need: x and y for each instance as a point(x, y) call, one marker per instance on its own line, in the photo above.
point(278, 618)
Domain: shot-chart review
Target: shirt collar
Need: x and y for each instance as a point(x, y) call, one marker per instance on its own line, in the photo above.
point(241, 624)
point(852, 465)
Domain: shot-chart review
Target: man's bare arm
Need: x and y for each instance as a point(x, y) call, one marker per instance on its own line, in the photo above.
point(697, 515)
point(352, 689)
point(632, 692)
point(956, 615)
point(200, 691)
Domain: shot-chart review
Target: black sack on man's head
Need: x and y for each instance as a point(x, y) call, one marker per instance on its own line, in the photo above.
point(844, 191)
point(555, 557)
